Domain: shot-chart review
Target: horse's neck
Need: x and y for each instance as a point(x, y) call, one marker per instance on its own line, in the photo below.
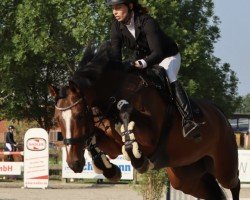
point(108, 144)
point(105, 124)
point(108, 127)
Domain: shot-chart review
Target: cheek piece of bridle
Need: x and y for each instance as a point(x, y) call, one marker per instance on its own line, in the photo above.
point(85, 139)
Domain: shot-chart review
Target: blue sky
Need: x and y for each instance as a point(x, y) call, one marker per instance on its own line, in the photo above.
point(234, 45)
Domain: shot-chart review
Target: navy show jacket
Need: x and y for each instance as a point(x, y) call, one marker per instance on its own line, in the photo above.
point(150, 42)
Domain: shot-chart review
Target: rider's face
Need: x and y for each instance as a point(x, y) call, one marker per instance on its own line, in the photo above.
point(120, 12)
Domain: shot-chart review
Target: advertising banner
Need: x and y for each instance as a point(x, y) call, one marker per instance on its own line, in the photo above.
point(36, 158)
point(11, 168)
point(88, 172)
point(127, 168)
point(244, 165)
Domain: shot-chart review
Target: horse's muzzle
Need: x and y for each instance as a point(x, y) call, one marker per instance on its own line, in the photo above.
point(77, 166)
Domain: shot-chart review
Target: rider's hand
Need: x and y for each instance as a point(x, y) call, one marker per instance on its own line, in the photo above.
point(138, 64)
point(128, 64)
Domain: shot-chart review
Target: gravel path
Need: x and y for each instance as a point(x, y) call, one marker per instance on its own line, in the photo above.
point(69, 191)
point(78, 191)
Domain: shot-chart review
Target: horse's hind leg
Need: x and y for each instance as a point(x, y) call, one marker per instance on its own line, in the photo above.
point(194, 180)
point(226, 166)
point(213, 187)
point(236, 191)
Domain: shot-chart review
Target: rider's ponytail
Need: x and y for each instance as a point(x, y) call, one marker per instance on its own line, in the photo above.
point(138, 8)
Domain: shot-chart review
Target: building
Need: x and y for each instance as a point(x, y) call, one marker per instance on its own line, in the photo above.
point(241, 126)
point(3, 129)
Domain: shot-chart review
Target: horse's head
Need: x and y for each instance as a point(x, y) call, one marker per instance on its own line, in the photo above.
point(74, 116)
point(72, 109)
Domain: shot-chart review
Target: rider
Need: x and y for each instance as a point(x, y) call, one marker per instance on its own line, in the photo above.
point(10, 143)
point(136, 29)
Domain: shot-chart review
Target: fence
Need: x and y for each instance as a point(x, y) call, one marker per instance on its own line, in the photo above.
point(6, 153)
point(11, 168)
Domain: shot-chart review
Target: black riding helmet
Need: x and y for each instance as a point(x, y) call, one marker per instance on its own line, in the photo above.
point(115, 2)
point(11, 127)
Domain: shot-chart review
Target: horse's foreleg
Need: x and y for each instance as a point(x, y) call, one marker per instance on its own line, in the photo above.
point(131, 149)
point(101, 163)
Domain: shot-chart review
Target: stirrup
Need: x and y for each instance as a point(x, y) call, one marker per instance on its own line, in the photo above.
point(190, 130)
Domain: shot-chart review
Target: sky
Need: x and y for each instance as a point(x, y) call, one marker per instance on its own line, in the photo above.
point(234, 45)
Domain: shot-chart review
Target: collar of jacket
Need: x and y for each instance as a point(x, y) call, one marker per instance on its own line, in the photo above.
point(137, 23)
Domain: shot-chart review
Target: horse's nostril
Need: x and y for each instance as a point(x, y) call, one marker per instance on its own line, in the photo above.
point(77, 166)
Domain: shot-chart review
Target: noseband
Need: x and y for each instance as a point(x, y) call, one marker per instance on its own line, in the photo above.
point(86, 139)
point(70, 106)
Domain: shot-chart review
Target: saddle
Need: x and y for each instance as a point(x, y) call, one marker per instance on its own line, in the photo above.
point(158, 78)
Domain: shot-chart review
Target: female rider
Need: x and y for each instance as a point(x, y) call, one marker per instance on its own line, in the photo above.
point(134, 28)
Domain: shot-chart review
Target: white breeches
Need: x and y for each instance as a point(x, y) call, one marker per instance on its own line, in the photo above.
point(9, 146)
point(172, 65)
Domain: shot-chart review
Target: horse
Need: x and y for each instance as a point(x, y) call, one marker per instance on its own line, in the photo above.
point(151, 132)
point(15, 157)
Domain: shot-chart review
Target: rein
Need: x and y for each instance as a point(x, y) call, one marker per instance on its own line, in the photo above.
point(113, 99)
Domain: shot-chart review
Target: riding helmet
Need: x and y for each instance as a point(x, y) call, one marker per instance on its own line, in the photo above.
point(115, 2)
point(11, 127)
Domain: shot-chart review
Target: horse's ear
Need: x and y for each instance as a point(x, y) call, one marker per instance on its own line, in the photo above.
point(53, 91)
point(74, 87)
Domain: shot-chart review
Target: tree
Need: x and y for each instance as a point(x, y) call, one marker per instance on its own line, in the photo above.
point(30, 58)
point(246, 102)
point(244, 107)
point(42, 42)
point(195, 27)
point(152, 184)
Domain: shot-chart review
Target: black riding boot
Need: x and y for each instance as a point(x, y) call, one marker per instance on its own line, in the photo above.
point(183, 105)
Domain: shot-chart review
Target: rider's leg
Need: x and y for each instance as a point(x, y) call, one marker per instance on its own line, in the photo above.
point(9, 148)
point(183, 104)
point(172, 66)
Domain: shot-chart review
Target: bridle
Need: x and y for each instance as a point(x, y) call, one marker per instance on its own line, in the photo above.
point(68, 107)
point(86, 139)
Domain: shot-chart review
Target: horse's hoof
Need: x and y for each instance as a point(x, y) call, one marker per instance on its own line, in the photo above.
point(113, 174)
point(145, 166)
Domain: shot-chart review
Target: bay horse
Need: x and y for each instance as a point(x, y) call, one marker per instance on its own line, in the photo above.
point(15, 157)
point(151, 133)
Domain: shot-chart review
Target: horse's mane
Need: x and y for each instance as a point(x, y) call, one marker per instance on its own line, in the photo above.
point(94, 63)
point(88, 55)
